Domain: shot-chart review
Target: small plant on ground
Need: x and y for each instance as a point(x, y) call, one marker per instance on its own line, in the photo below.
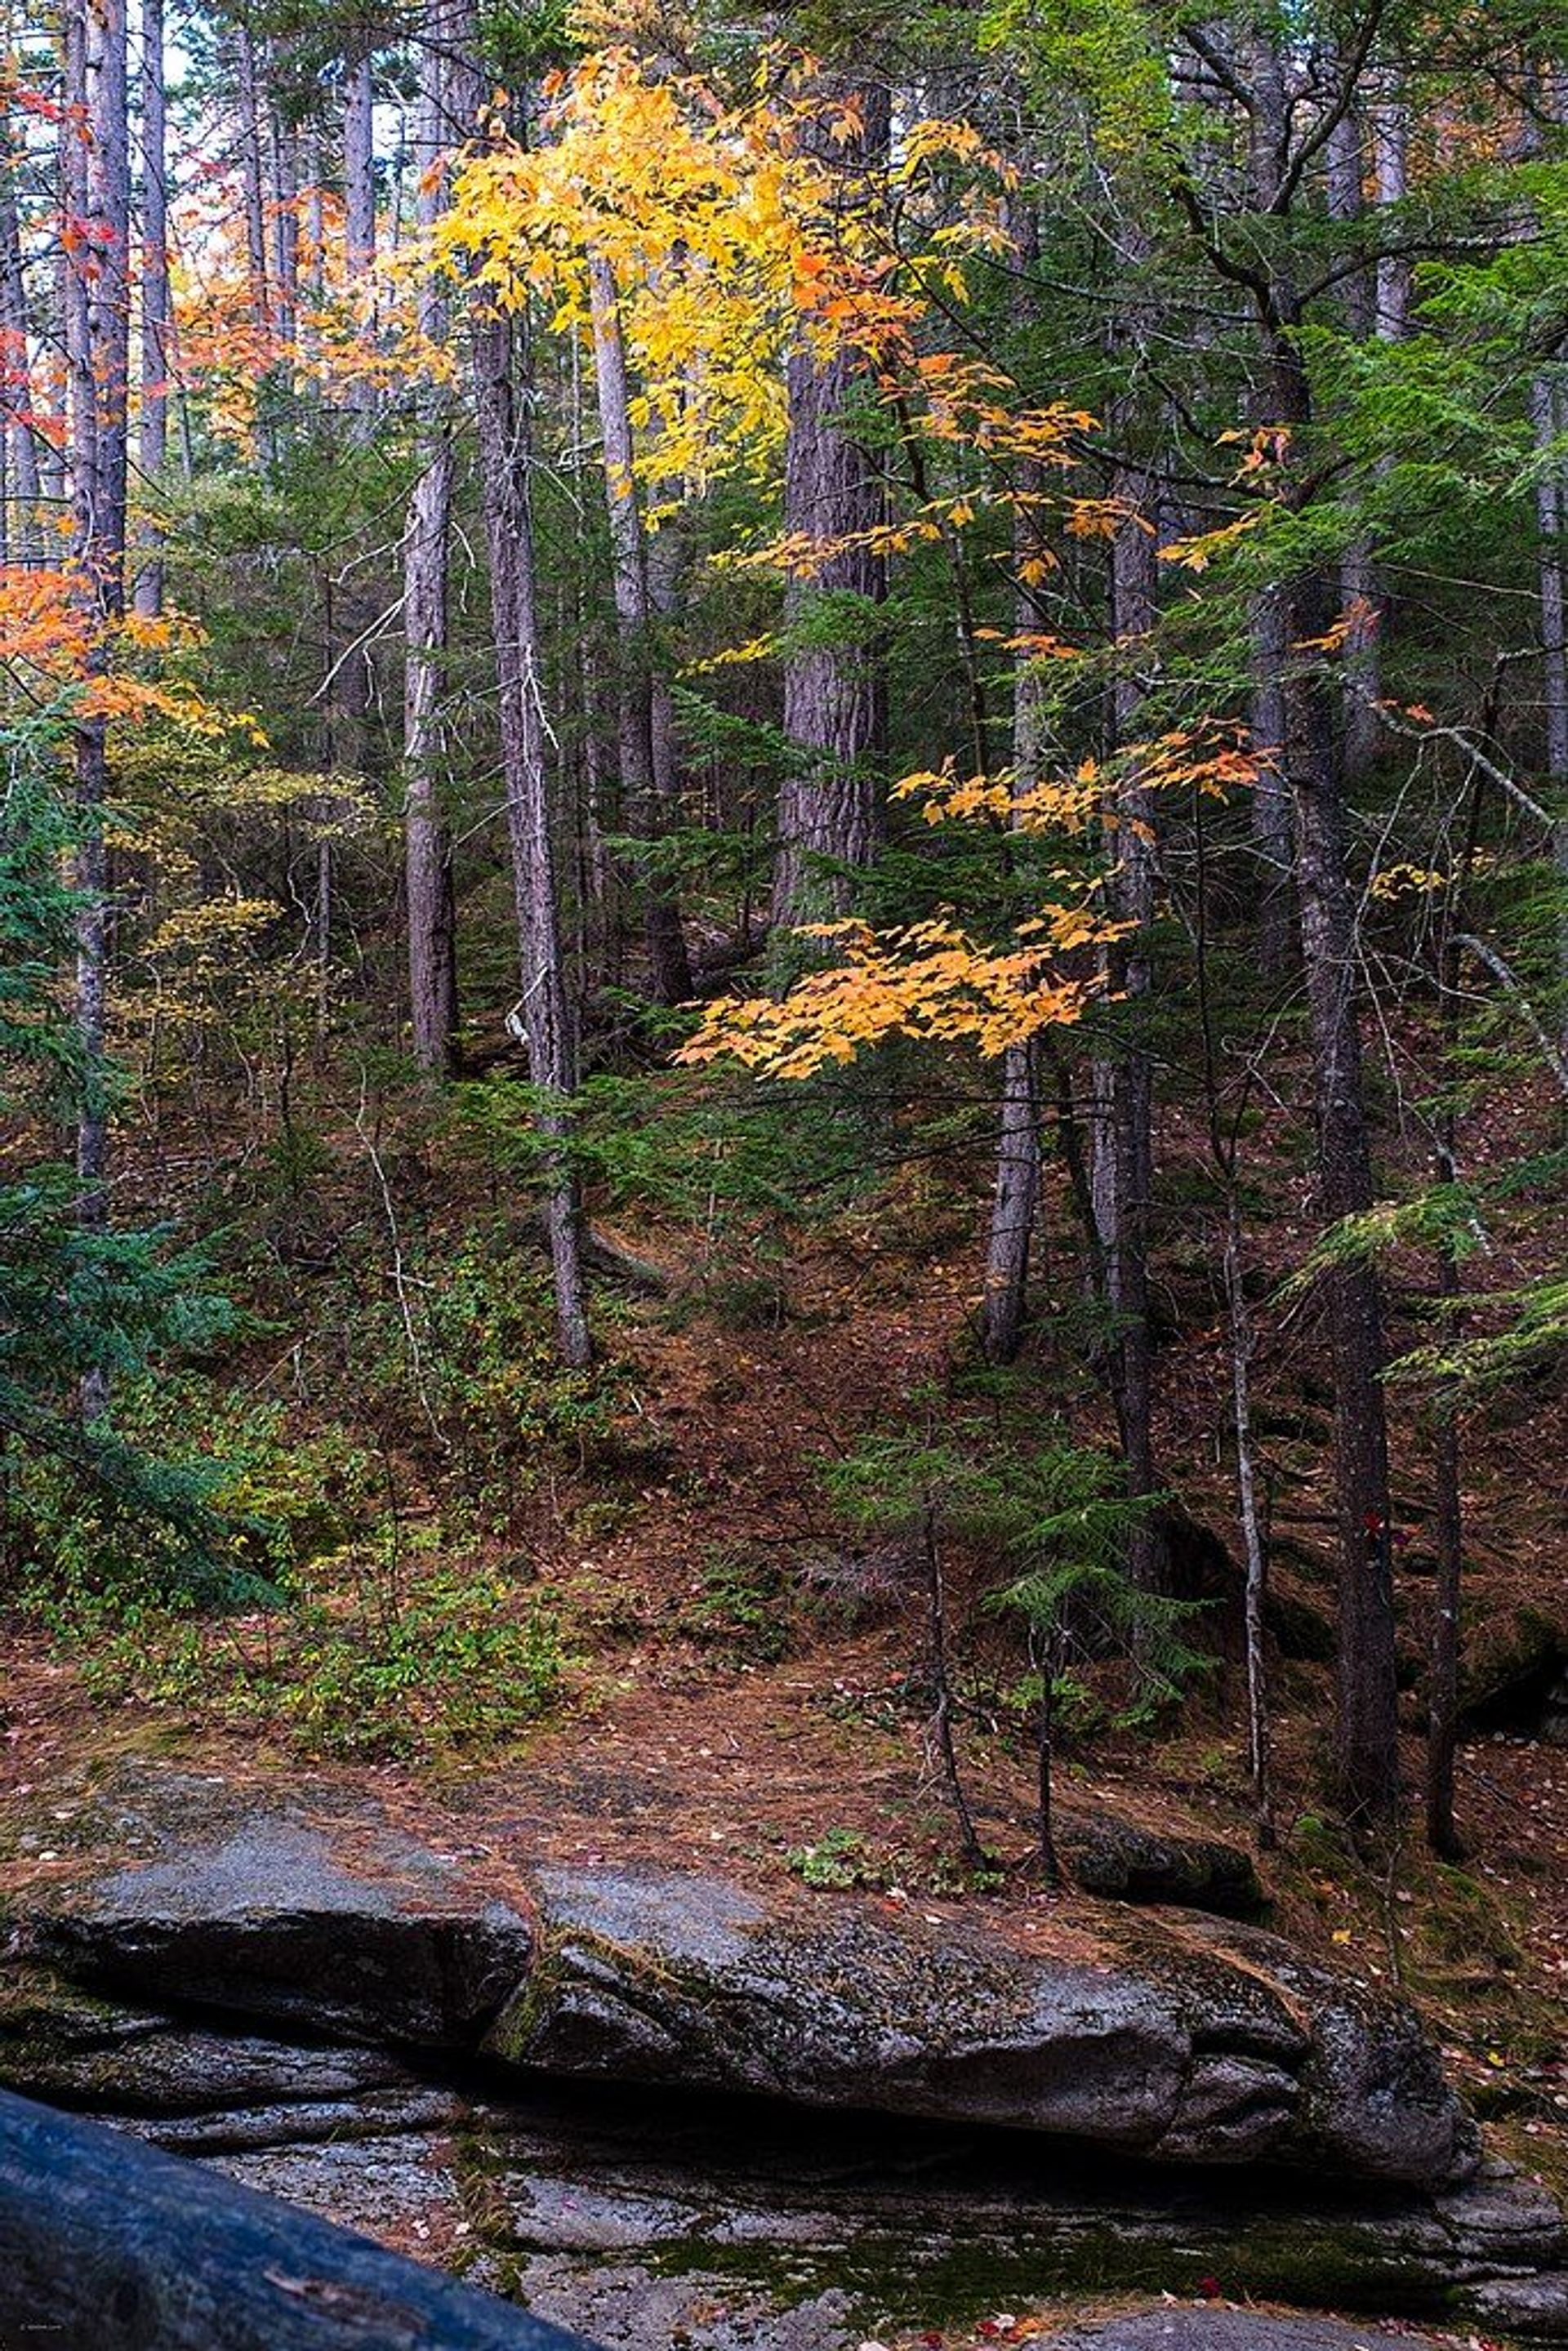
point(742, 1605)
point(837, 1860)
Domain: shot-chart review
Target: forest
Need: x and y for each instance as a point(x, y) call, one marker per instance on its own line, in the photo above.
point(784, 1011)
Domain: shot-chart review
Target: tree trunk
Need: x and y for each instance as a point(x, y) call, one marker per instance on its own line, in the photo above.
point(1256, 1592)
point(1016, 1192)
point(546, 1013)
point(828, 809)
point(427, 850)
point(1443, 1671)
point(1443, 1683)
point(97, 195)
point(1043, 1656)
point(360, 205)
point(23, 484)
point(941, 1734)
point(1123, 1156)
point(1367, 1761)
point(254, 179)
point(312, 233)
point(1552, 516)
point(640, 779)
point(152, 430)
point(1272, 825)
point(1358, 583)
point(285, 174)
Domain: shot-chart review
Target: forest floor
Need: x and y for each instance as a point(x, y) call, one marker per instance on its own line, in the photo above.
point(743, 1678)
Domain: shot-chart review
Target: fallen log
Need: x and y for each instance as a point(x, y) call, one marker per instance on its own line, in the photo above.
point(106, 2244)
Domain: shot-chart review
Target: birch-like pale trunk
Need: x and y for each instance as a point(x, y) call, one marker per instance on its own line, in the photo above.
point(1015, 1192)
point(283, 158)
point(427, 850)
point(18, 429)
point(640, 779)
point(312, 234)
point(360, 204)
point(97, 331)
point(544, 1009)
point(24, 484)
point(156, 358)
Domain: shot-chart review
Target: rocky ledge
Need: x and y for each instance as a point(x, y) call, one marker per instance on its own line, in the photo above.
point(1174, 2037)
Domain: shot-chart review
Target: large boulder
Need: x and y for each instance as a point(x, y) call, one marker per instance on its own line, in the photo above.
point(1176, 2036)
point(334, 1918)
point(1179, 2039)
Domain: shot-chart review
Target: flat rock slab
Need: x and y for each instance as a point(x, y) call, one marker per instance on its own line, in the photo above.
point(1178, 2037)
point(645, 2222)
point(1208, 2327)
point(338, 1920)
point(1186, 2042)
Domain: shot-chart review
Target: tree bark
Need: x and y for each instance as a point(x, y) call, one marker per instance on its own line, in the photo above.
point(427, 850)
point(1124, 1155)
point(829, 810)
point(1346, 175)
point(153, 424)
point(284, 159)
point(360, 204)
point(942, 1733)
point(1367, 1759)
point(98, 198)
point(1552, 516)
point(1273, 826)
point(253, 180)
point(1015, 1191)
point(1258, 1725)
point(640, 778)
point(544, 1009)
point(24, 485)
point(1043, 1648)
point(1443, 1680)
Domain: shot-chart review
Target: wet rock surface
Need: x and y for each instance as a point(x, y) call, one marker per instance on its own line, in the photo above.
point(1204, 2329)
point(1179, 2041)
point(336, 1919)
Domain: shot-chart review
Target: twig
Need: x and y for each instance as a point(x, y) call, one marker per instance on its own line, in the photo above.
point(398, 1273)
